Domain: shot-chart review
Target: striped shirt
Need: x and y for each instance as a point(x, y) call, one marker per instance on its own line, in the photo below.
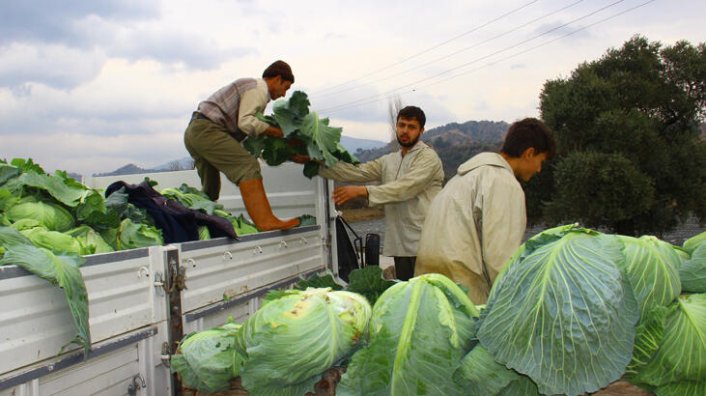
point(235, 105)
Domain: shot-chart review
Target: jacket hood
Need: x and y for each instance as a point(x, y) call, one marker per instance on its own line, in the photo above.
point(483, 159)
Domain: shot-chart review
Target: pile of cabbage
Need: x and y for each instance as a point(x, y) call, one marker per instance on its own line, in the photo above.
point(48, 222)
point(573, 311)
point(282, 349)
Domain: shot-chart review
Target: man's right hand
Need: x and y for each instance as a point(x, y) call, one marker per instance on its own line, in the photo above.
point(274, 132)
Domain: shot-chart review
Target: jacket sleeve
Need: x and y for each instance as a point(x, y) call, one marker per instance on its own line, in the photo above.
point(368, 172)
point(251, 102)
point(503, 224)
point(425, 168)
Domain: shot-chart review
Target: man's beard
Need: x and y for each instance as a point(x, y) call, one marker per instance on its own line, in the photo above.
point(410, 144)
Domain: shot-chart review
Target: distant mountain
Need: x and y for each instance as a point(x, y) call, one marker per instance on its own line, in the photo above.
point(455, 143)
point(180, 164)
point(354, 144)
point(132, 169)
point(128, 169)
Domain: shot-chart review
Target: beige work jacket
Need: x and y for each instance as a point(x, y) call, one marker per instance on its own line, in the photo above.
point(407, 186)
point(474, 225)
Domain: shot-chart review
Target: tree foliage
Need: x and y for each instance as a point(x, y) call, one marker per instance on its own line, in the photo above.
point(630, 152)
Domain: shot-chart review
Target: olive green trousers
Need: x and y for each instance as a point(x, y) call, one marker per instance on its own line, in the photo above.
point(215, 151)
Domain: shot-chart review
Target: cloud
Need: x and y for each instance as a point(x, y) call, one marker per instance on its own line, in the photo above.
point(21, 64)
point(49, 21)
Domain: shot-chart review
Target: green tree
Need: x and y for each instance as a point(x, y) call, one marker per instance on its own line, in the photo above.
point(630, 152)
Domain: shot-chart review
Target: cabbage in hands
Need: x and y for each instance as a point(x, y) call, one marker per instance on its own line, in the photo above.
point(291, 340)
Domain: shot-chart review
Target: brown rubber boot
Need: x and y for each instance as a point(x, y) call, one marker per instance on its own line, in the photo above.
point(259, 209)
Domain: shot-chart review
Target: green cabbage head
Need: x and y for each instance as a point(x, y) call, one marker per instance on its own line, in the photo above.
point(563, 312)
point(208, 360)
point(52, 216)
point(291, 340)
point(419, 333)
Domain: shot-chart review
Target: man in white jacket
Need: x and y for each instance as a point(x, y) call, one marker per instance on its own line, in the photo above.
point(478, 220)
point(409, 180)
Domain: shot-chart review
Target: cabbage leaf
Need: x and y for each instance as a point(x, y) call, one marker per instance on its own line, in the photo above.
point(693, 271)
point(61, 270)
point(304, 132)
point(480, 374)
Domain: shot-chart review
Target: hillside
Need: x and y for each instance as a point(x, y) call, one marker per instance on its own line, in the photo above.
point(454, 142)
point(353, 145)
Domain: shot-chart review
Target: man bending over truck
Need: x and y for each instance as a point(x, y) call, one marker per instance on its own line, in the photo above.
point(409, 179)
point(478, 220)
point(217, 128)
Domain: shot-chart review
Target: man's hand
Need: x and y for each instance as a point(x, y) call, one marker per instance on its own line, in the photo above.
point(344, 194)
point(300, 158)
point(274, 132)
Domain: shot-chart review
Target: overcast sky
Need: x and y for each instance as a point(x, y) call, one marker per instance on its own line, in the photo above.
point(89, 86)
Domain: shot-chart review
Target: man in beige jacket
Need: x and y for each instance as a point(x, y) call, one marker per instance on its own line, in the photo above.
point(478, 220)
point(409, 180)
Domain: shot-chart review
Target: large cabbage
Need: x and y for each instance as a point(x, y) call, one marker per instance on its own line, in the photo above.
point(52, 216)
point(131, 235)
point(419, 332)
point(652, 267)
point(562, 312)
point(55, 241)
point(208, 360)
point(679, 365)
point(90, 241)
point(291, 340)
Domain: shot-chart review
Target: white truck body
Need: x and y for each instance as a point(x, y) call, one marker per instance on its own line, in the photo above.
point(137, 311)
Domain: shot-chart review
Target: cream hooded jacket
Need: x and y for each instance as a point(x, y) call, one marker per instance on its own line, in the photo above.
point(408, 185)
point(474, 225)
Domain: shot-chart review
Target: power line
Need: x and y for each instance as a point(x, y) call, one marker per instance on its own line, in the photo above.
point(372, 99)
point(430, 48)
point(516, 28)
point(542, 44)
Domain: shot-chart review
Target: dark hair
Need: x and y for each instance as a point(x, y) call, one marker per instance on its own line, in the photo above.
point(279, 68)
point(529, 133)
point(413, 112)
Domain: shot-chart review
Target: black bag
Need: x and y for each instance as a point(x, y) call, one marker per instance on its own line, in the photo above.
point(347, 256)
